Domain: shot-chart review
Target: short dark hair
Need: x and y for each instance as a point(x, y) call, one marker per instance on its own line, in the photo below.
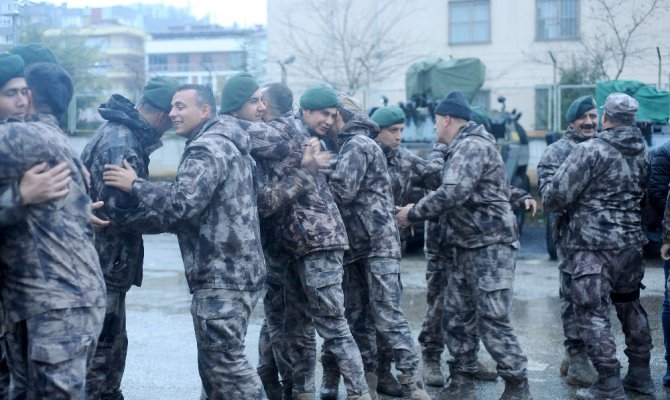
point(617, 119)
point(205, 95)
point(51, 87)
point(280, 97)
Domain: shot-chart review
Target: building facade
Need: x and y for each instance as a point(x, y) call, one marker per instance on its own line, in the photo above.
point(526, 45)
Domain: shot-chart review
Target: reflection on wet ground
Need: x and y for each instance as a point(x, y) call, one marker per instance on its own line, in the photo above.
point(162, 353)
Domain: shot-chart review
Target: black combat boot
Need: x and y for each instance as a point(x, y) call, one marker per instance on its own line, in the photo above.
point(516, 389)
point(461, 387)
point(331, 378)
point(638, 378)
point(386, 382)
point(270, 380)
point(608, 386)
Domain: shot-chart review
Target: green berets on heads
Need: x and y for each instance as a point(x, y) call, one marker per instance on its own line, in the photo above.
point(236, 91)
point(33, 52)
point(11, 66)
point(318, 97)
point(159, 91)
point(579, 107)
point(387, 116)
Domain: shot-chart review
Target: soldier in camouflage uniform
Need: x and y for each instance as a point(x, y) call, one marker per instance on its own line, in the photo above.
point(474, 198)
point(214, 201)
point(361, 186)
point(131, 133)
point(582, 117)
point(602, 183)
point(407, 170)
point(52, 288)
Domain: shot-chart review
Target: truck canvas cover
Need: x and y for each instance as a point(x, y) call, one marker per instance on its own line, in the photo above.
point(434, 78)
point(654, 103)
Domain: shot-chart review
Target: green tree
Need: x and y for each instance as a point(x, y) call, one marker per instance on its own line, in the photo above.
point(82, 61)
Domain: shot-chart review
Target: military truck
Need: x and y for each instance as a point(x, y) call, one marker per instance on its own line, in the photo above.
point(429, 80)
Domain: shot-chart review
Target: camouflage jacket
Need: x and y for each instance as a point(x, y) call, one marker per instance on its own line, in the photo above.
point(602, 182)
point(408, 171)
point(361, 187)
point(125, 136)
point(312, 221)
point(214, 200)
point(473, 200)
point(48, 259)
point(11, 204)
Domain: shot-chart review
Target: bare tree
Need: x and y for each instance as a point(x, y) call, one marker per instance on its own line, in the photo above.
point(617, 39)
point(346, 43)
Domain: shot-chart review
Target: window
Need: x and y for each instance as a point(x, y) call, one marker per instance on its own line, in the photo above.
point(557, 19)
point(158, 62)
point(182, 62)
point(469, 21)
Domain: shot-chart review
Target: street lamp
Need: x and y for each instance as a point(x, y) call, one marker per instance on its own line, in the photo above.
point(283, 64)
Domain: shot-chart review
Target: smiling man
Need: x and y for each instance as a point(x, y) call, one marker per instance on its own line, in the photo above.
point(214, 202)
point(582, 117)
point(318, 111)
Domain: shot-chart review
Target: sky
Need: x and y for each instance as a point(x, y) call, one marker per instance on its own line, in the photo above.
point(245, 13)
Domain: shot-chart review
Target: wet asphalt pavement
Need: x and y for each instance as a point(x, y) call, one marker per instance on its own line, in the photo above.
point(162, 360)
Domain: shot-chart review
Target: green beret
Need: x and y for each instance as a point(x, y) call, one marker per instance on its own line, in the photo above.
point(33, 52)
point(236, 91)
point(11, 66)
point(159, 91)
point(387, 116)
point(579, 107)
point(318, 97)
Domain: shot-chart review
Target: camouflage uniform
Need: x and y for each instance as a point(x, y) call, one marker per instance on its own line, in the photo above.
point(551, 160)
point(602, 183)
point(407, 171)
point(53, 290)
point(214, 199)
point(474, 198)
point(126, 136)
point(360, 185)
point(312, 236)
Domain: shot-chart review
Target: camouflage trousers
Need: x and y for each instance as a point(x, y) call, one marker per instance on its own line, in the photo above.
point(430, 337)
point(314, 299)
point(220, 319)
point(4, 373)
point(372, 292)
point(477, 303)
point(573, 340)
point(103, 381)
point(601, 277)
point(48, 354)
point(273, 357)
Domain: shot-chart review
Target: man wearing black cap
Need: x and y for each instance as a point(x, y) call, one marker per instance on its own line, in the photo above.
point(473, 206)
point(52, 288)
point(131, 133)
point(602, 182)
point(582, 118)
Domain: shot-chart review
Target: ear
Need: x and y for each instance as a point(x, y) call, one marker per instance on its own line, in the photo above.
point(205, 111)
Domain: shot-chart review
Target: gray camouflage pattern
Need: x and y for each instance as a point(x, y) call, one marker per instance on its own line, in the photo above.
point(602, 181)
point(551, 160)
point(598, 277)
point(474, 195)
point(103, 380)
point(477, 303)
point(48, 260)
point(430, 336)
point(214, 199)
point(220, 319)
point(316, 281)
point(360, 185)
point(48, 353)
point(125, 136)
